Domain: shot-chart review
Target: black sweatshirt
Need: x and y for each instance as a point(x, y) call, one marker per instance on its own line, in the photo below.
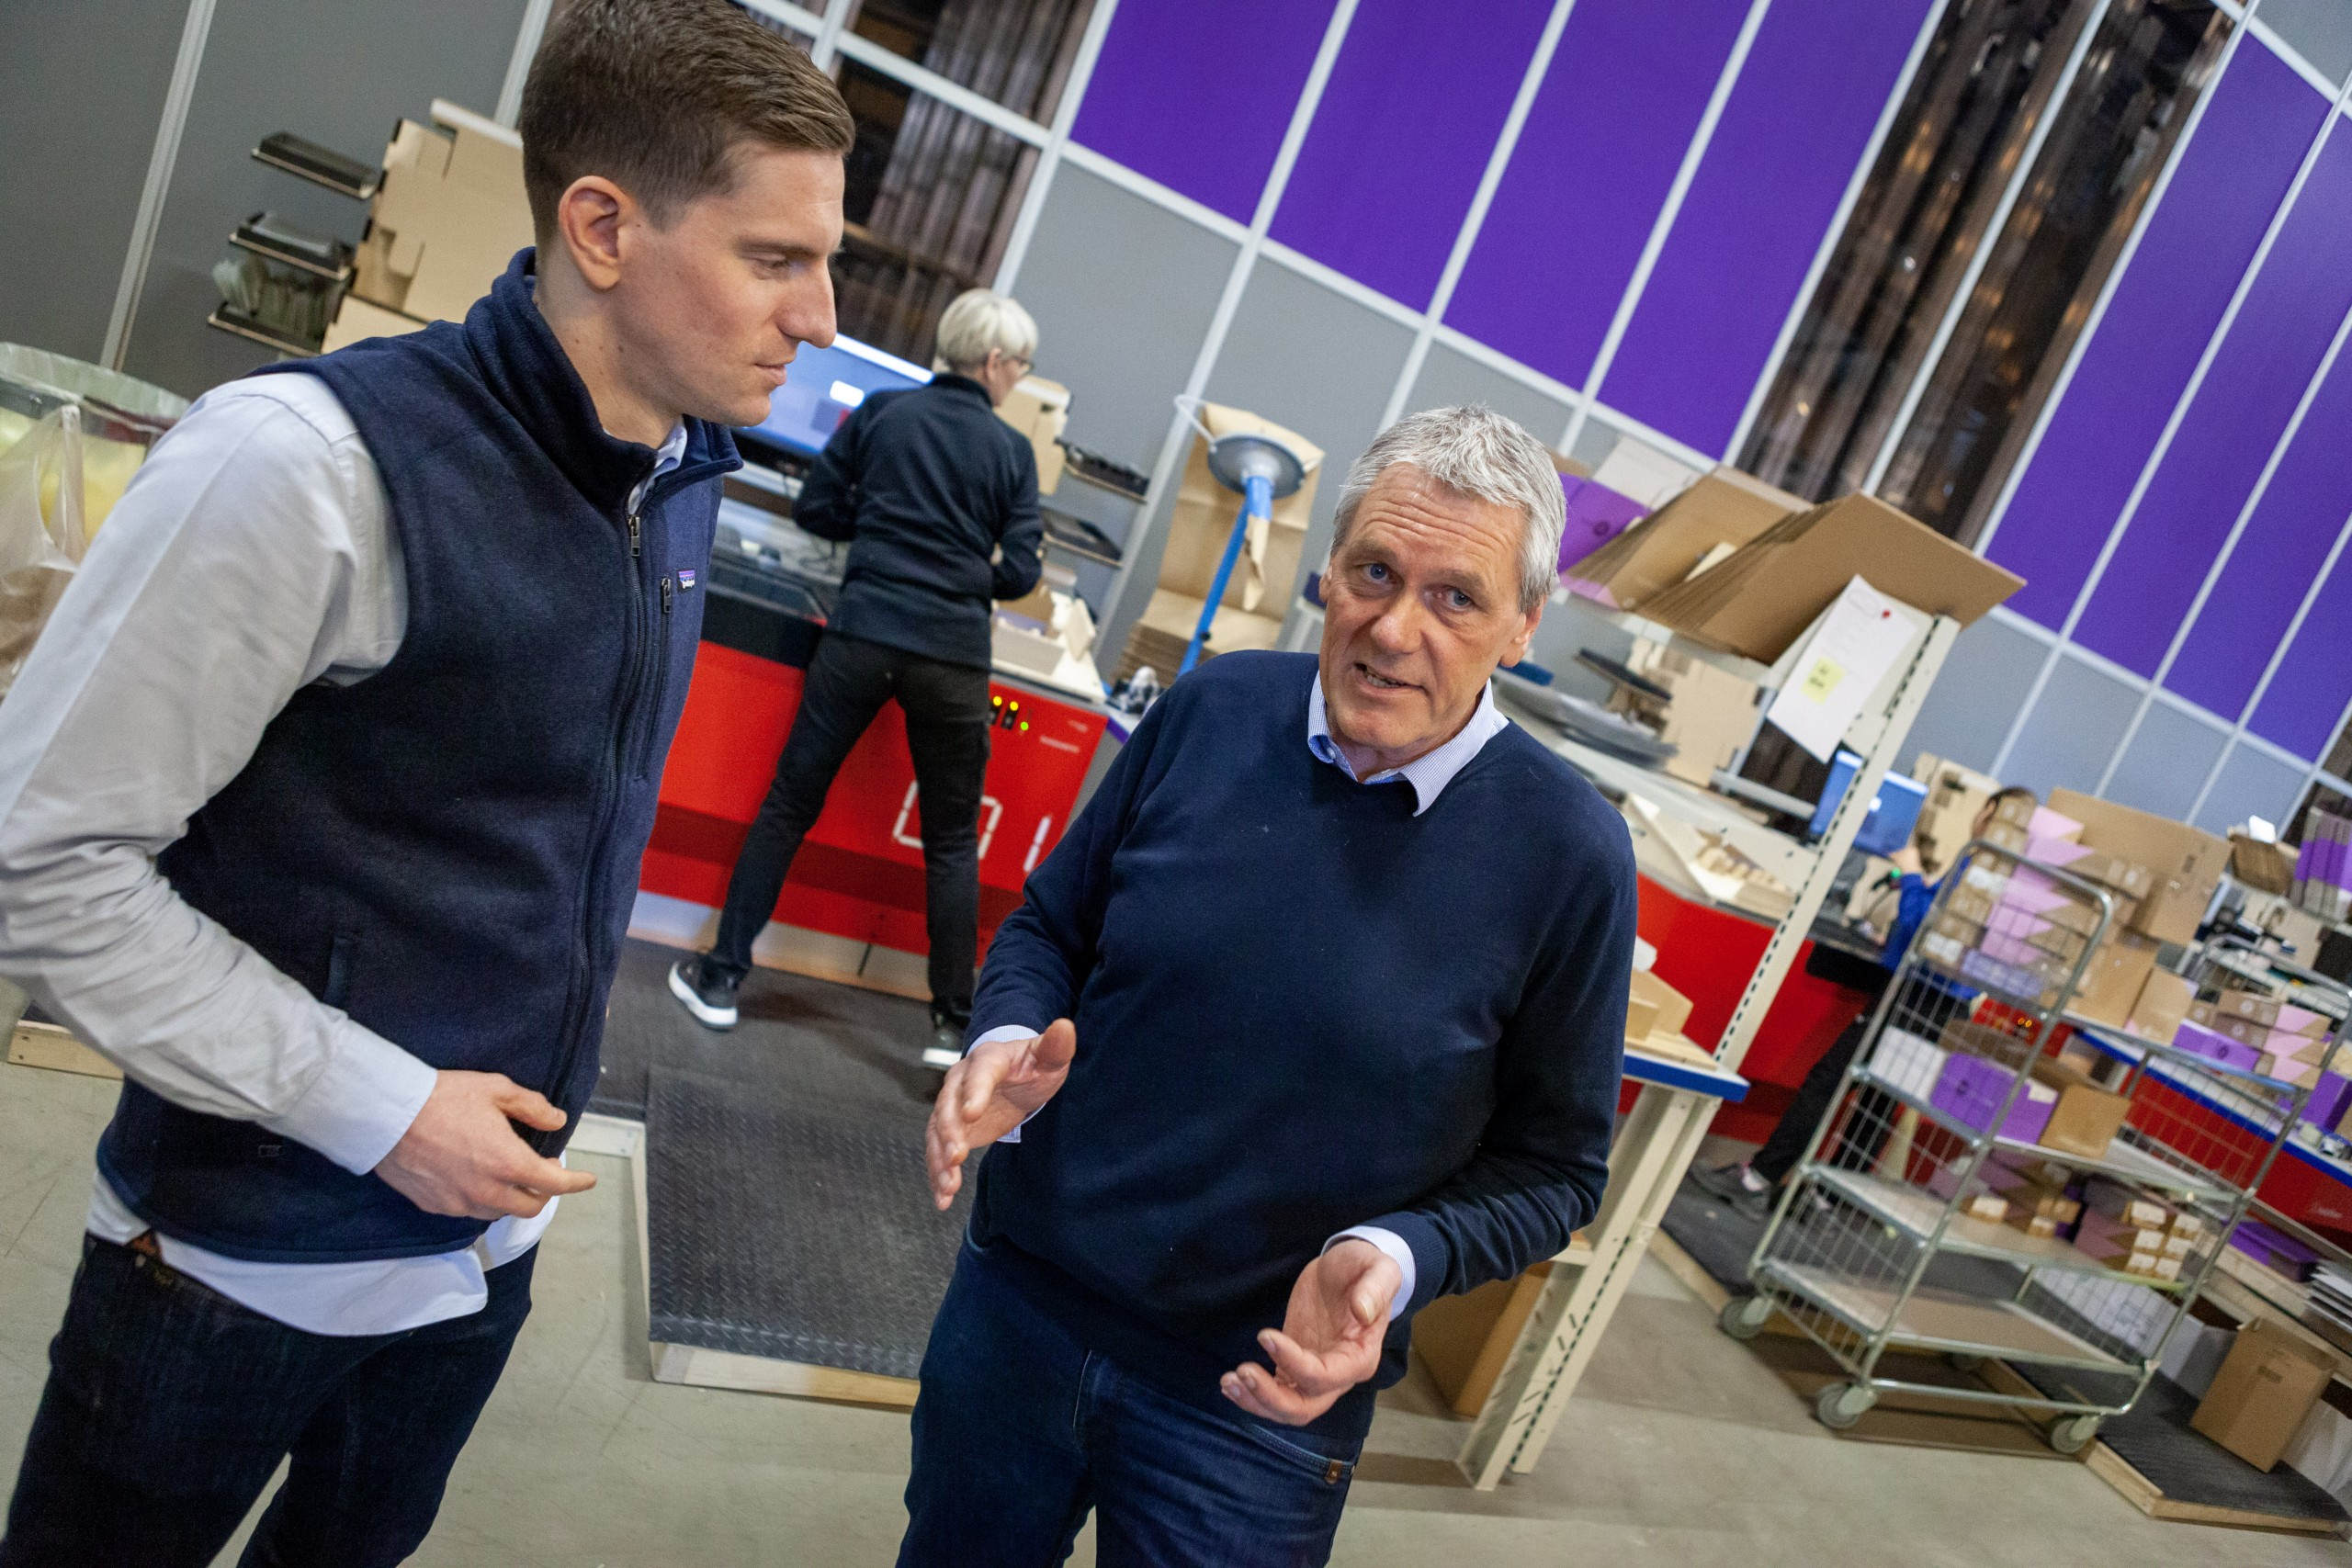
point(927, 484)
point(1302, 1007)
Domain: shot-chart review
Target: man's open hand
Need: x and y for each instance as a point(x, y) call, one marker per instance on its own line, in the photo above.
point(1329, 1340)
point(460, 1158)
point(992, 1090)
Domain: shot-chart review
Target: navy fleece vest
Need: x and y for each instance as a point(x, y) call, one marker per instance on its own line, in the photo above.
point(448, 849)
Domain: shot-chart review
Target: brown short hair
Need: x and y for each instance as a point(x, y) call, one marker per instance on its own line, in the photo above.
point(656, 94)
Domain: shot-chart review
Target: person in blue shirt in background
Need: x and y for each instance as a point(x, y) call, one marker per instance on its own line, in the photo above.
point(1752, 1185)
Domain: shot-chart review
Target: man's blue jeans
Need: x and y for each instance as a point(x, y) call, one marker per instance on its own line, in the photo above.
point(1020, 1431)
point(169, 1406)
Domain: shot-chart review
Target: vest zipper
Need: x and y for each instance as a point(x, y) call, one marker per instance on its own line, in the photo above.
point(665, 595)
point(619, 768)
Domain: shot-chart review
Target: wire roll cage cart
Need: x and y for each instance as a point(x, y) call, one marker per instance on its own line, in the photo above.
point(1889, 1235)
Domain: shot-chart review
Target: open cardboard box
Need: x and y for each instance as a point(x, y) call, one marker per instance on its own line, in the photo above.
point(1725, 507)
point(2185, 863)
point(1760, 599)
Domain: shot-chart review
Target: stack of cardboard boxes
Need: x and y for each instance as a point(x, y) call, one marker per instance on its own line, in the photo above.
point(448, 217)
point(2163, 875)
point(1707, 716)
point(2137, 1233)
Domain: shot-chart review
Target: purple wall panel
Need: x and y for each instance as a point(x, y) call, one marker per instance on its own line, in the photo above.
point(1607, 129)
point(2263, 364)
point(2314, 681)
point(2228, 182)
point(1813, 86)
point(1197, 94)
point(2284, 543)
point(1400, 138)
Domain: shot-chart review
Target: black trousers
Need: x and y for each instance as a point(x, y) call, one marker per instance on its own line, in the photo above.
point(946, 708)
point(169, 1405)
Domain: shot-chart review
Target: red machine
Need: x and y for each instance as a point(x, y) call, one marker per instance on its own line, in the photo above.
point(859, 873)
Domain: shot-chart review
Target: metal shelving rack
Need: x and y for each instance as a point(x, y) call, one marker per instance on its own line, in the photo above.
point(1872, 1247)
point(1660, 1135)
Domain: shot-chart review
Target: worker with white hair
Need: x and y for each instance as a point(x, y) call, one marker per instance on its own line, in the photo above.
point(937, 498)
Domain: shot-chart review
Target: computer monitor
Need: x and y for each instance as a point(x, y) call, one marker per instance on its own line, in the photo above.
point(823, 385)
point(1895, 811)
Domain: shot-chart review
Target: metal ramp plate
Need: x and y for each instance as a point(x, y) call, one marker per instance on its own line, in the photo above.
point(796, 1229)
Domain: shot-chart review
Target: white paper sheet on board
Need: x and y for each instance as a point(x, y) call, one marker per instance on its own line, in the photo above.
point(1859, 640)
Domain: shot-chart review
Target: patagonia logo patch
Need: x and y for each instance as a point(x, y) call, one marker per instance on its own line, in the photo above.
point(686, 579)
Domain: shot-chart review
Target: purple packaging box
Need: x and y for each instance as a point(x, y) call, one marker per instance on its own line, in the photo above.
point(1596, 515)
point(2275, 1249)
point(2197, 1040)
point(2325, 1107)
point(1971, 1090)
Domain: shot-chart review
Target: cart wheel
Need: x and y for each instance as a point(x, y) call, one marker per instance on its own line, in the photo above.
point(1841, 1404)
point(1743, 1317)
point(2072, 1434)
point(1963, 1362)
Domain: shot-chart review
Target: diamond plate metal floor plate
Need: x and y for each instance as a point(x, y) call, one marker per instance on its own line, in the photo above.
point(793, 1227)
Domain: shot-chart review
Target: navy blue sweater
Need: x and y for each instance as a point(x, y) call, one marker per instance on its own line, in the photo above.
point(1301, 1008)
point(927, 484)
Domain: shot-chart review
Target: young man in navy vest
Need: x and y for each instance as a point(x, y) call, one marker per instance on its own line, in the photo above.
point(1331, 977)
point(321, 803)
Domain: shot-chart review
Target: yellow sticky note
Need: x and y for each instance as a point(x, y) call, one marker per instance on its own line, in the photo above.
point(1823, 678)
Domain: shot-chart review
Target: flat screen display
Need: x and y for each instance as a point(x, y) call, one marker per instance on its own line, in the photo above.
point(1894, 810)
point(823, 385)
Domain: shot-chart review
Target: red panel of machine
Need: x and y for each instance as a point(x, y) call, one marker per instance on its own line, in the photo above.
point(859, 874)
point(1707, 955)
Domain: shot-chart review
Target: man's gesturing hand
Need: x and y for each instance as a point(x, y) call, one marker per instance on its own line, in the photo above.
point(988, 1094)
point(1329, 1340)
point(459, 1156)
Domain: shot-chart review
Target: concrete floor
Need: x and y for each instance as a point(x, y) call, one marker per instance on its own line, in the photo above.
point(1681, 1448)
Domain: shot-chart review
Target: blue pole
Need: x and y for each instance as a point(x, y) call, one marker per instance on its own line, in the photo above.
point(1257, 501)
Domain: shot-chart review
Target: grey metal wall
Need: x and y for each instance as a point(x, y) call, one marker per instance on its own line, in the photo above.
point(81, 89)
point(336, 71)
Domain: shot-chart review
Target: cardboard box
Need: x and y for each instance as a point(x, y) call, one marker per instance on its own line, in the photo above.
point(2005, 836)
point(1039, 410)
point(1762, 598)
point(2254, 1006)
point(1464, 1340)
point(2054, 824)
point(1725, 507)
point(2185, 863)
point(357, 319)
point(2290, 1070)
point(1985, 1206)
point(2267, 867)
point(2018, 811)
point(2208, 1017)
point(449, 217)
point(1972, 1090)
point(2085, 1118)
point(2165, 1000)
point(2125, 876)
point(2267, 1385)
point(1670, 1009)
point(2200, 1041)
point(2113, 979)
point(1202, 522)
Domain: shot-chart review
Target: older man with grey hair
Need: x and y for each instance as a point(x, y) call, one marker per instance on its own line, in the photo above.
point(1314, 1016)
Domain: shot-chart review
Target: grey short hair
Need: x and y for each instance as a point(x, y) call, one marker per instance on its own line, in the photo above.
point(980, 320)
point(1474, 451)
